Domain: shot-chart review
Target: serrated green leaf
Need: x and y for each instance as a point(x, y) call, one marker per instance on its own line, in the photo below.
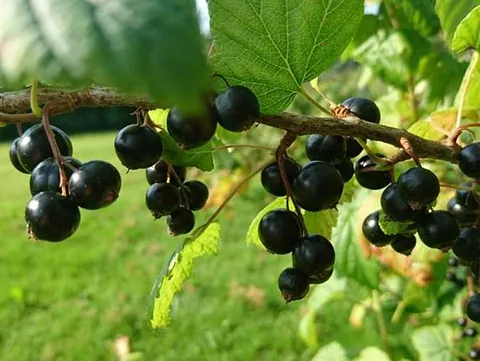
point(434, 343)
point(178, 269)
point(372, 353)
point(467, 34)
point(273, 47)
point(451, 13)
point(390, 227)
point(331, 352)
point(149, 47)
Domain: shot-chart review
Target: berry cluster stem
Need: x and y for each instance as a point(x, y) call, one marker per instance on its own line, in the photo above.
point(171, 173)
point(320, 107)
point(19, 129)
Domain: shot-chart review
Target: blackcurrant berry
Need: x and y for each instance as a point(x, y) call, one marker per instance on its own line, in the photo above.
point(158, 173)
point(33, 146)
point(293, 284)
point(46, 176)
point(463, 215)
point(197, 194)
point(353, 147)
point(474, 354)
point(162, 199)
point(469, 160)
point(51, 217)
point(320, 277)
point(396, 208)
point(404, 244)
point(192, 131)
point(13, 153)
point(279, 230)
point(453, 261)
point(373, 233)
point(462, 322)
point(329, 148)
point(271, 179)
point(180, 221)
point(418, 186)
point(467, 247)
point(467, 198)
point(363, 108)
point(438, 229)
point(94, 185)
point(473, 308)
point(345, 167)
point(237, 108)
point(138, 146)
point(451, 277)
point(471, 332)
point(370, 178)
point(317, 186)
point(313, 254)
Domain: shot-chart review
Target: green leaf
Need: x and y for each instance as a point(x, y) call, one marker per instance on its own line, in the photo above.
point(434, 343)
point(307, 330)
point(420, 14)
point(273, 47)
point(178, 269)
point(369, 25)
point(471, 84)
point(149, 47)
point(390, 227)
point(319, 296)
point(331, 352)
point(372, 353)
point(350, 261)
point(451, 13)
point(467, 34)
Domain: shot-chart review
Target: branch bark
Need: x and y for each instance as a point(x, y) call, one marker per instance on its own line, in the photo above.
point(64, 101)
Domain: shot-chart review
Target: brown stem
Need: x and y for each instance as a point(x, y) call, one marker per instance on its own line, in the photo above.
point(19, 129)
point(412, 97)
point(453, 137)
point(407, 147)
point(470, 284)
point(171, 173)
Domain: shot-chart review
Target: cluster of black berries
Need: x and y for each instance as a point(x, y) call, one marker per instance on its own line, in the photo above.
point(469, 332)
point(456, 272)
point(53, 214)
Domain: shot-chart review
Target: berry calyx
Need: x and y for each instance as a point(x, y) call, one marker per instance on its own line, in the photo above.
point(46, 176)
point(363, 108)
point(293, 284)
point(317, 186)
point(438, 229)
point(461, 213)
point(197, 194)
point(396, 208)
point(51, 217)
point(345, 168)
point(404, 244)
point(373, 233)
point(469, 160)
point(237, 108)
point(279, 230)
point(13, 154)
point(272, 180)
point(467, 247)
point(180, 221)
point(138, 146)
point(94, 185)
point(473, 308)
point(370, 178)
point(418, 186)
point(162, 199)
point(313, 255)
point(158, 173)
point(353, 147)
point(328, 148)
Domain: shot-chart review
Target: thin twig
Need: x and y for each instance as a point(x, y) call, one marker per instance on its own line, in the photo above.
point(314, 102)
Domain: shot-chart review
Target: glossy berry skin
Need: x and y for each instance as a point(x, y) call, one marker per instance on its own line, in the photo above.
point(321, 277)
point(373, 233)
point(470, 332)
point(279, 230)
point(463, 215)
point(469, 160)
point(364, 109)
point(404, 244)
point(371, 179)
point(13, 154)
point(467, 247)
point(162, 199)
point(272, 180)
point(328, 148)
point(313, 254)
point(96, 184)
point(453, 261)
point(353, 147)
point(317, 186)
point(396, 208)
point(46, 176)
point(33, 146)
point(466, 198)
point(474, 354)
point(197, 194)
point(51, 217)
point(418, 185)
point(138, 146)
point(473, 308)
point(180, 221)
point(345, 168)
point(237, 108)
point(158, 173)
point(293, 284)
point(192, 131)
point(438, 229)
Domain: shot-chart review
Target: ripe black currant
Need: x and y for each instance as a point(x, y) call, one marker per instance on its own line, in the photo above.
point(451, 277)
point(469, 160)
point(370, 178)
point(438, 229)
point(237, 108)
point(462, 322)
point(96, 184)
point(462, 214)
point(279, 230)
point(320, 277)
point(345, 167)
point(180, 221)
point(317, 186)
point(13, 153)
point(467, 247)
point(313, 254)
point(271, 179)
point(473, 308)
point(329, 148)
point(162, 199)
point(404, 244)
point(474, 354)
point(158, 173)
point(197, 194)
point(293, 284)
point(418, 186)
point(363, 108)
point(138, 146)
point(467, 197)
point(353, 147)
point(453, 261)
point(51, 217)
point(33, 146)
point(396, 208)
point(46, 176)
point(192, 131)
point(373, 233)
point(471, 332)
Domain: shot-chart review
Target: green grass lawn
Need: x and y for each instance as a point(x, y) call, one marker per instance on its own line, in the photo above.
point(70, 301)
